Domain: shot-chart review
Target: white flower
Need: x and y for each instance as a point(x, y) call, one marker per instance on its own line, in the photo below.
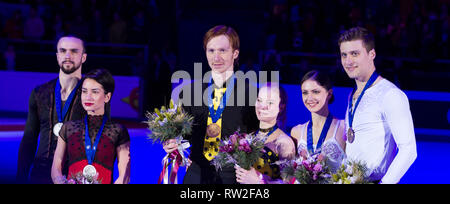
point(339, 182)
point(353, 179)
point(173, 111)
point(163, 122)
point(249, 140)
point(225, 142)
point(349, 169)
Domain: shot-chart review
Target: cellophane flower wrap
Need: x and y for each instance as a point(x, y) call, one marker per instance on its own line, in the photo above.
point(351, 172)
point(306, 169)
point(239, 149)
point(166, 124)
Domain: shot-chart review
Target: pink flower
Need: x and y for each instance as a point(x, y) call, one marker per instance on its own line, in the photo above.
point(248, 149)
point(243, 142)
point(307, 165)
point(71, 181)
point(304, 154)
point(244, 146)
point(317, 168)
point(226, 148)
point(233, 139)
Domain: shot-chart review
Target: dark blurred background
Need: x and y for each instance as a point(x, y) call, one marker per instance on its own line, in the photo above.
point(153, 38)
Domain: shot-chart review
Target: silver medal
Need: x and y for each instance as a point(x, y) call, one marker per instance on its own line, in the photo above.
point(89, 172)
point(57, 128)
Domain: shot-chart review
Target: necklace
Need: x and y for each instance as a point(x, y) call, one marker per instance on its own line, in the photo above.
point(266, 130)
point(271, 130)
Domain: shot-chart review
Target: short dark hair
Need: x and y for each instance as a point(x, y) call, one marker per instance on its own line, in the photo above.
point(358, 33)
point(73, 36)
point(322, 79)
point(103, 77)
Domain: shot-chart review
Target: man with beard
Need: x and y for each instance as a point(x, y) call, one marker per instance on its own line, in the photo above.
point(50, 105)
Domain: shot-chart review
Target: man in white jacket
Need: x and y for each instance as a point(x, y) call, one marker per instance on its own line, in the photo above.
point(378, 118)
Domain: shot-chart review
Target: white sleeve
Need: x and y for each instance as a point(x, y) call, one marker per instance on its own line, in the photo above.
point(399, 119)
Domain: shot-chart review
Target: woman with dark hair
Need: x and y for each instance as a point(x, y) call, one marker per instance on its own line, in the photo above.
point(323, 134)
point(270, 109)
point(93, 144)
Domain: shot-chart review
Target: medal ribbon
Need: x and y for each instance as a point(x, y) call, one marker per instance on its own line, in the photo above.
point(215, 115)
point(91, 149)
point(58, 101)
point(351, 113)
point(322, 137)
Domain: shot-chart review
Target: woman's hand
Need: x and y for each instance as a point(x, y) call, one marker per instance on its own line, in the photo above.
point(248, 176)
point(58, 158)
point(123, 163)
point(170, 145)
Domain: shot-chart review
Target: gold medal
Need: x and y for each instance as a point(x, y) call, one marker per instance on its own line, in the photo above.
point(213, 130)
point(350, 135)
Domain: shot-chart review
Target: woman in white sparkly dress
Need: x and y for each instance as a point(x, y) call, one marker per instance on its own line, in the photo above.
point(323, 134)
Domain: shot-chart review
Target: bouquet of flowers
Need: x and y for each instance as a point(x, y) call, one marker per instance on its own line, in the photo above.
point(166, 124)
point(78, 178)
point(306, 170)
point(239, 149)
point(171, 123)
point(352, 172)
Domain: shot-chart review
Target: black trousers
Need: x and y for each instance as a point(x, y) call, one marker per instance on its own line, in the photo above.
point(207, 174)
point(41, 172)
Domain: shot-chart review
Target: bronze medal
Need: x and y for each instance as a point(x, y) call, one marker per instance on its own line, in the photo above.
point(213, 130)
point(350, 135)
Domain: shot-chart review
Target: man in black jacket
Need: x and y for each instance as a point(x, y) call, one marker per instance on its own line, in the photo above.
point(50, 105)
point(227, 107)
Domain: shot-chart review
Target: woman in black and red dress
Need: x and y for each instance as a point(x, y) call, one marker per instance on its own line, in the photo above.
point(270, 108)
point(93, 144)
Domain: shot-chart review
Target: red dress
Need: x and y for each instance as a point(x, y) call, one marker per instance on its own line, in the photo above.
point(113, 135)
